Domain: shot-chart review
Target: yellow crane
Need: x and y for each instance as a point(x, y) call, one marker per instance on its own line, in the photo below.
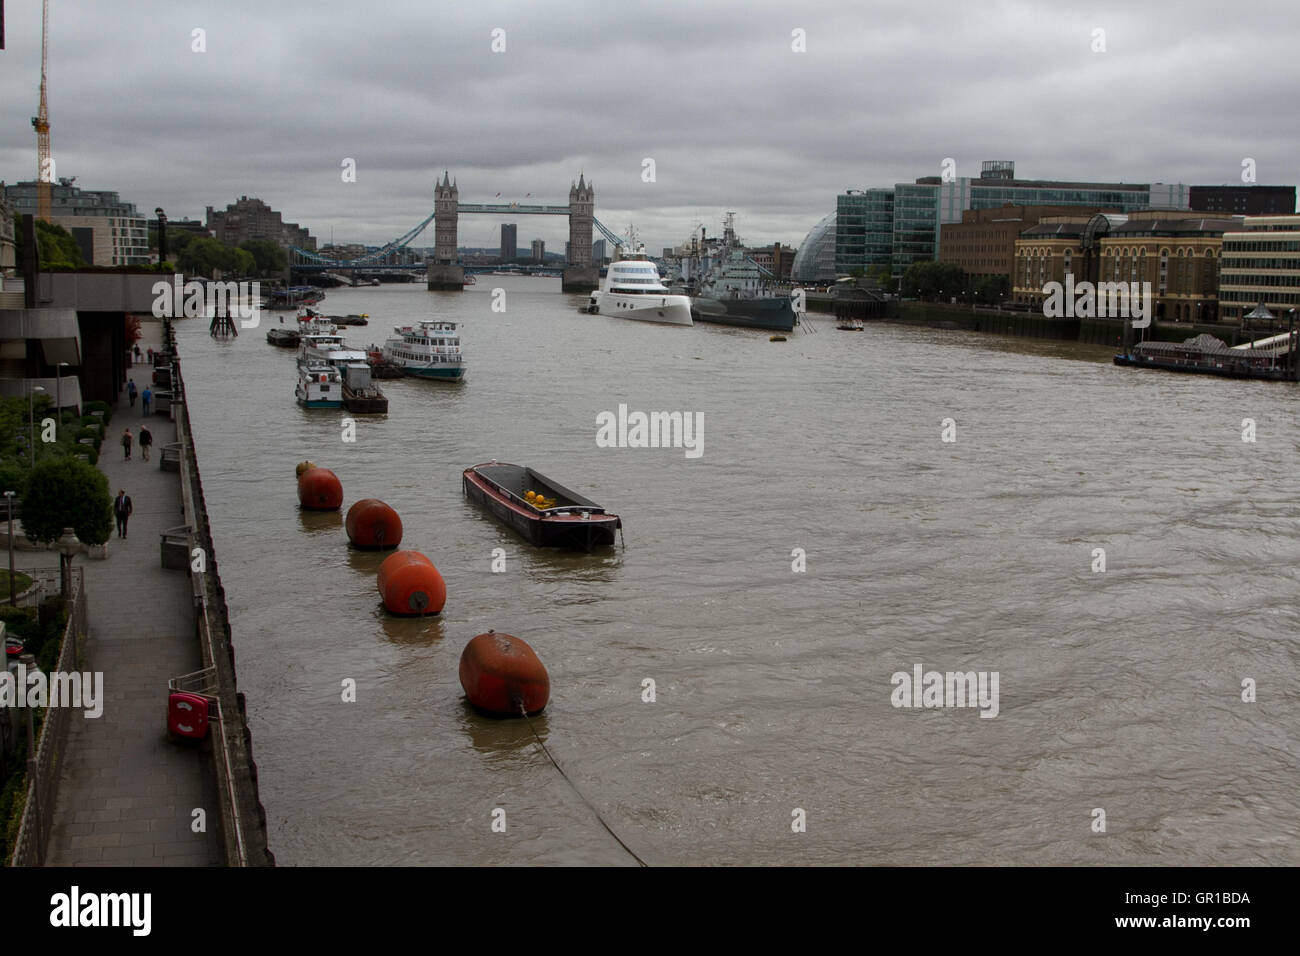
point(41, 122)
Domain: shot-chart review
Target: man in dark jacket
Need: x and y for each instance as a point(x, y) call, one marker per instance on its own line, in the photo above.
point(122, 511)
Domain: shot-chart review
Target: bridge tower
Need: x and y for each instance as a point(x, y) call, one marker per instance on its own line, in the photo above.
point(442, 271)
point(579, 274)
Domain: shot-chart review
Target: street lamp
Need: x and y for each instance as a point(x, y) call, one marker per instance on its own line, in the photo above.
point(68, 545)
point(13, 591)
point(162, 234)
point(31, 418)
point(58, 392)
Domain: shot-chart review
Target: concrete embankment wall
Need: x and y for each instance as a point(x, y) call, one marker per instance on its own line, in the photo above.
point(1104, 332)
point(243, 818)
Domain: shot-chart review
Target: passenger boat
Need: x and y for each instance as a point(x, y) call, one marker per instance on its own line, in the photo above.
point(563, 519)
point(319, 386)
point(429, 349)
point(851, 325)
point(632, 289)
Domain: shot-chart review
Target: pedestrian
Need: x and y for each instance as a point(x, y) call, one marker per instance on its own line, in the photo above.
point(122, 511)
point(126, 443)
point(146, 440)
point(137, 353)
point(150, 353)
point(146, 399)
point(131, 391)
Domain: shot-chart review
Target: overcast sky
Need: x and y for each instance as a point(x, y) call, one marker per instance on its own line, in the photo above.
point(713, 92)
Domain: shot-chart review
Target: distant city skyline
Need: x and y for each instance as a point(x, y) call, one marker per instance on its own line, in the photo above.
point(695, 112)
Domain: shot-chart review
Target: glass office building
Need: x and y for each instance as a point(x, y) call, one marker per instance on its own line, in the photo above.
point(815, 260)
point(864, 231)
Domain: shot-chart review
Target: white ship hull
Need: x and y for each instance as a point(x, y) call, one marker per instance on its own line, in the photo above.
point(668, 309)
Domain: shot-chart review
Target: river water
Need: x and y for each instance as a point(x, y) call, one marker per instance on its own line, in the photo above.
point(1118, 691)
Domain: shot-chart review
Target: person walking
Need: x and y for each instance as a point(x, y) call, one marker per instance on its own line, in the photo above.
point(146, 399)
point(146, 440)
point(131, 391)
point(151, 355)
point(126, 443)
point(137, 353)
point(122, 511)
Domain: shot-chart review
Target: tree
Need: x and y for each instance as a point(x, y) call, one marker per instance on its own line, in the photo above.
point(56, 246)
point(269, 257)
point(67, 493)
point(931, 280)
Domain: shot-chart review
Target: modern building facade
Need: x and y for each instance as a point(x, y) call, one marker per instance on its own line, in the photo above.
point(920, 209)
point(815, 261)
point(1260, 263)
point(1244, 200)
point(254, 219)
point(109, 231)
point(509, 241)
point(538, 250)
point(864, 232)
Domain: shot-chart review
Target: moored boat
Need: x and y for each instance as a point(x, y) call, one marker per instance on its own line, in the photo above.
point(428, 349)
point(282, 337)
point(632, 289)
point(360, 394)
point(563, 519)
point(319, 385)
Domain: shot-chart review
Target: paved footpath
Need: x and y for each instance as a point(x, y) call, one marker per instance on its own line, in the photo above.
point(127, 795)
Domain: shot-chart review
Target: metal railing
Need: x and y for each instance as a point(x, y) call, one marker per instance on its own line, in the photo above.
point(242, 817)
point(43, 769)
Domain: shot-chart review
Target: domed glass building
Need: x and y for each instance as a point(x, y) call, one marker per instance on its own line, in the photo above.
point(815, 260)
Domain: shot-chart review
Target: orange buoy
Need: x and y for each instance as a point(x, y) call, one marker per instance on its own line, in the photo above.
point(319, 489)
point(502, 675)
point(373, 524)
point(410, 584)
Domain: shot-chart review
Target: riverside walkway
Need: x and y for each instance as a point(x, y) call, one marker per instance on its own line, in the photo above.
point(127, 796)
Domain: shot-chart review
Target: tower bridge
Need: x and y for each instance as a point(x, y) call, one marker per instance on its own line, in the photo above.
point(444, 269)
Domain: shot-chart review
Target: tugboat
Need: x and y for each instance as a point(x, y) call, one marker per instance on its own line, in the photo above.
point(429, 349)
point(319, 386)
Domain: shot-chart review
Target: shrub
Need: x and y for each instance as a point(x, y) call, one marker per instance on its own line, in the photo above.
point(67, 493)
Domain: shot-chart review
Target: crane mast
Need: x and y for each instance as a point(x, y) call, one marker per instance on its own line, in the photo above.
point(41, 123)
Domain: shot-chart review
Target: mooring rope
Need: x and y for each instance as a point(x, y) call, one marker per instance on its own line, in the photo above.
point(545, 750)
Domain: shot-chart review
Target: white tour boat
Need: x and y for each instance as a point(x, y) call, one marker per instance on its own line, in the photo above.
point(429, 349)
point(632, 289)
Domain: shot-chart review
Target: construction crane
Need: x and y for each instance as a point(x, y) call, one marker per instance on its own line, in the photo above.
point(41, 122)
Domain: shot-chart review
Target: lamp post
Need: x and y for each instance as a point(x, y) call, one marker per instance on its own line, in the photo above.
point(31, 418)
point(162, 234)
point(68, 545)
point(13, 588)
point(58, 393)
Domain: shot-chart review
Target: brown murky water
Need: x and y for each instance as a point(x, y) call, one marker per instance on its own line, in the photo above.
point(1119, 690)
